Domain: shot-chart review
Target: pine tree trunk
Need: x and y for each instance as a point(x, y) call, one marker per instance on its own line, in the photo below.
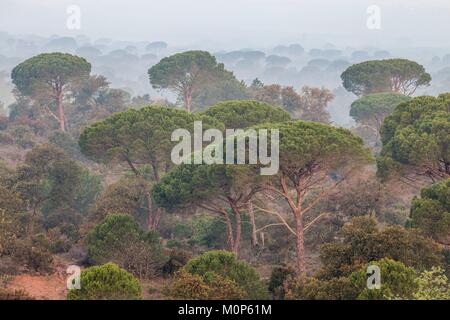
point(61, 116)
point(300, 244)
point(230, 237)
point(188, 100)
point(237, 240)
point(251, 215)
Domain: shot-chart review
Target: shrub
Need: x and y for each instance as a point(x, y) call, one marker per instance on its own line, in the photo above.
point(118, 238)
point(226, 265)
point(33, 256)
point(362, 242)
point(14, 295)
point(126, 196)
point(187, 286)
point(24, 137)
point(397, 280)
point(65, 142)
point(431, 212)
point(208, 231)
point(177, 260)
point(212, 286)
point(278, 280)
point(106, 282)
point(314, 289)
point(433, 285)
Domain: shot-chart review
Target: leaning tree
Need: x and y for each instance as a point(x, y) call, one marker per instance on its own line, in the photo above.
point(392, 75)
point(48, 78)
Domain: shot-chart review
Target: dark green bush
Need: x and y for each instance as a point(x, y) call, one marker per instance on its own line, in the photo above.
point(397, 280)
point(431, 212)
point(106, 282)
point(118, 238)
point(278, 280)
point(226, 265)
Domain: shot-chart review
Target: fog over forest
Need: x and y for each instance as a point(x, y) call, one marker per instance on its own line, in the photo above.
point(224, 150)
point(250, 37)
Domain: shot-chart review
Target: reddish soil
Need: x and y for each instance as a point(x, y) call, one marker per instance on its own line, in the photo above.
point(51, 287)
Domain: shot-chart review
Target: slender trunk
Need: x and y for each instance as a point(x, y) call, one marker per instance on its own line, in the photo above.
point(155, 172)
point(300, 244)
point(32, 221)
point(237, 240)
point(296, 207)
point(188, 100)
point(156, 218)
point(131, 165)
point(150, 219)
point(251, 215)
point(230, 237)
point(153, 216)
point(61, 116)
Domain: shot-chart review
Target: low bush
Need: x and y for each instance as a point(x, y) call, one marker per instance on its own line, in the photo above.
point(106, 282)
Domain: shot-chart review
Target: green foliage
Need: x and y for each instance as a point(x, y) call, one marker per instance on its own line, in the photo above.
point(392, 75)
point(186, 286)
point(277, 283)
point(65, 142)
point(431, 212)
point(225, 264)
point(314, 289)
point(106, 282)
point(48, 67)
point(372, 109)
point(225, 87)
point(89, 189)
point(139, 136)
point(416, 135)
point(32, 254)
point(196, 74)
point(244, 114)
point(302, 145)
point(47, 79)
point(309, 105)
point(48, 178)
point(126, 196)
point(397, 280)
point(118, 238)
point(362, 242)
point(432, 285)
point(12, 224)
point(177, 259)
point(305, 145)
point(208, 231)
point(191, 185)
point(112, 236)
point(171, 71)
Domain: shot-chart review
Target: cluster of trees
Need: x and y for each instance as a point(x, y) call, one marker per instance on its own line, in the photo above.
point(104, 190)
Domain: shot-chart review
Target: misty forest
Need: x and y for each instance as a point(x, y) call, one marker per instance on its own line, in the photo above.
point(87, 180)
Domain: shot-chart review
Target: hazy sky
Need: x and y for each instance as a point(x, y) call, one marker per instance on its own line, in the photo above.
point(235, 23)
